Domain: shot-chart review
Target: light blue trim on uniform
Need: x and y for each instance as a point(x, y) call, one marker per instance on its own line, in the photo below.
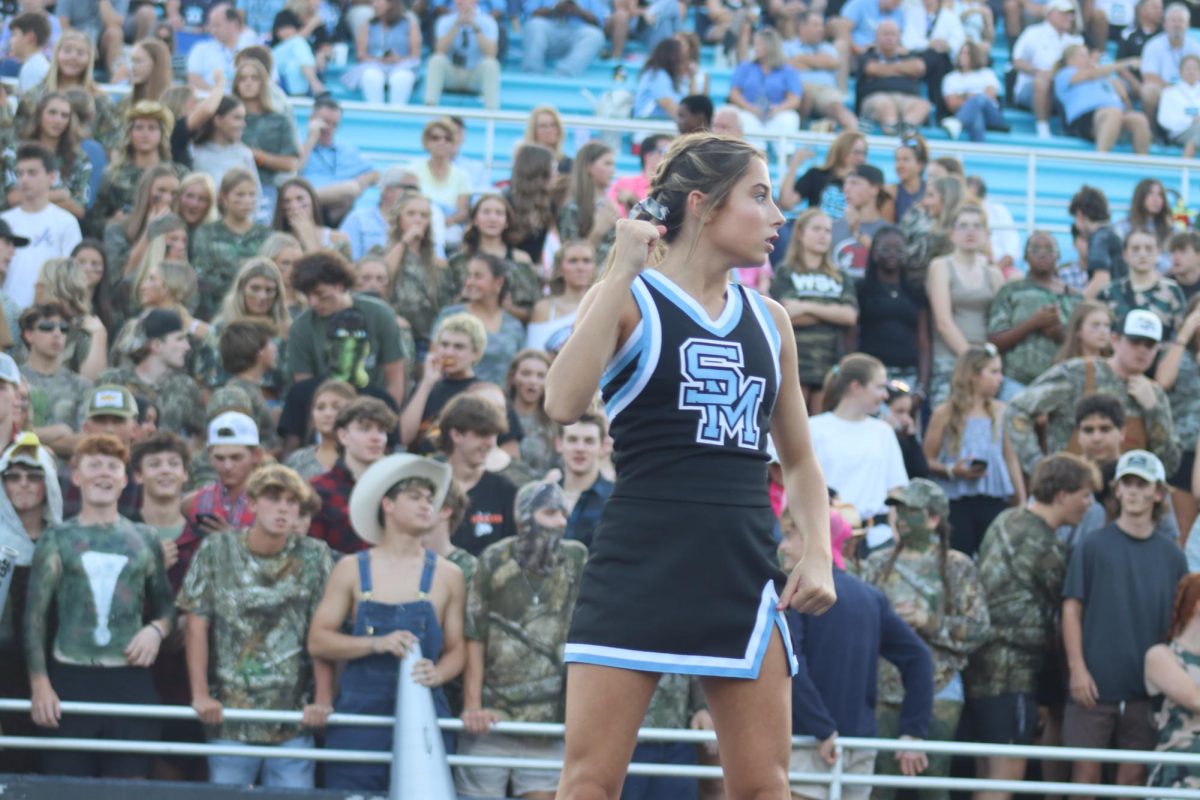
point(763, 314)
point(622, 357)
point(721, 326)
point(746, 667)
point(649, 347)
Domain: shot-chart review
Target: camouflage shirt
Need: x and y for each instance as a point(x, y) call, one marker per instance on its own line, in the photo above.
point(468, 564)
point(258, 609)
point(674, 702)
point(419, 294)
point(1164, 298)
point(1184, 395)
point(1054, 395)
point(106, 125)
point(117, 192)
point(273, 133)
point(1178, 730)
point(818, 346)
point(101, 581)
point(180, 409)
point(217, 255)
point(522, 623)
point(522, 284)
point(956, 611)
point(568, 229)
point(77, 180)
point(57, 399)
point(1016, 302)
point(1021, 565)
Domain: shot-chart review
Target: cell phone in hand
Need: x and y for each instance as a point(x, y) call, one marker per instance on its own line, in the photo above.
point(978, 463)
point(205, 522)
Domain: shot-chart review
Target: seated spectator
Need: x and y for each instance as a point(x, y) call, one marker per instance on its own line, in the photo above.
point(1162, 56)
point(54, 127)
point(149, 73)
point(219, 248)
point(105, 25)
point(586, 211)
point(298, 213)
point(571, 275)
point(571, 33)
point(767, 90)
point(971, 93)
point(933, 30)
point(663, 82)
point(29, 35)
point(1171, 675)
point(853, 233)
point(1150, 424)
point(731, 23)
point(446, 184)
point(694, 114)
point(367, 227)
point(545, 127)
point(316, 459)
point(855, 28)
point(294, 57)
point(464, 59)
point(491, 222)
point(889, 82)
point(268, 568)
point(388, 52)
point(650, 23)
point(1036, 54)
point(1092, 105)
point(421, 283)
point(1147, 23)
point(394, 505)
point(1185, 262)
point(1144, 287)
point(818, 62)
point(269, 132)
point(210, 56)
point(145, 145)
point(1028, 317)
point(1179, 109)
point(484, 287)
point(71, 68)
point(218, 148)
point(337, 170)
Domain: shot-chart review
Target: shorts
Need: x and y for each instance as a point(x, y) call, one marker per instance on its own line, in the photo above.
point(1182, 479)
point(1082, 126)
point(1009, 718)
point(494, 781)
point(1125, 726)
point(822, 95)
point(854, 762)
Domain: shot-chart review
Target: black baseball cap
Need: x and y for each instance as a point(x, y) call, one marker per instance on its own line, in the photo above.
point(870, 174)
point(161, 322)
point(6, 233)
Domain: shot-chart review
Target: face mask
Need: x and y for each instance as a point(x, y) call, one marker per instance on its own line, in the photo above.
point(537, 544)
point(913, 528)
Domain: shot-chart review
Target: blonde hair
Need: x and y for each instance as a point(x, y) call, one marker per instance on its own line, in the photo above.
point(425, 247)
point(233, 307)
point(271, 478)
point(840, 149)
point(962, 395)
point(557, 283)
point(233, 179)
point(205, 180)
point(65, 282)
point(87, 80)
point(178, 277)
point(531, 128)
point(770, 37)
point(467, 325)
point(794, 260)
point(264, 93)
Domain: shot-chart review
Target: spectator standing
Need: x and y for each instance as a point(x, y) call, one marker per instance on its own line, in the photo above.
point(71, 68)
point(1178, 373)
point(269, 133)
point(400, 595)
point(889, 83)
point(822, 187)
point(587, 212)
point(1105, 262)
point(484, 287)
point(1179, 108)
point(465, 55)
point(585, 489)
point(217, 148)
point(1035, 55)
point(298, 213)
point(1149, 211)
point(1117, 602)
point(533, 176)
point(56, 394)
point(1144, 287)
point(526, 395)
point(767, 90)
point(894, 312)
point(1150, 424)
point(853, 233)
point(1162, 56)
point(568, 31)
point(49, 231)
point(1173, 672)
point(468, 427)
point(1092, 104)
point(56, 128)
point(1022, 564)
point(219, 248)
point(327, 402)
point(245, 588)
point(421, 283)
point(145, 148)
point(694, 114)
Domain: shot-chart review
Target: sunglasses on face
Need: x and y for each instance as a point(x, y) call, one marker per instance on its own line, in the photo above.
point(50, 327)
point(20, 476)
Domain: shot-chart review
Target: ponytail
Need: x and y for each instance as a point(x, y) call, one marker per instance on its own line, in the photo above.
point(854, 368)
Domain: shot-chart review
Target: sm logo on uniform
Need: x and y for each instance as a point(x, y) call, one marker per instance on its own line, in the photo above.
point(714, 385)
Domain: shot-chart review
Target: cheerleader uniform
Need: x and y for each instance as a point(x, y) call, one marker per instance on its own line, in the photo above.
point(682, 575)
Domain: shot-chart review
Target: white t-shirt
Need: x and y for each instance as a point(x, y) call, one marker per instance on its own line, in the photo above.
point(52, 233)
point(1178, 108)
point(32, 72)
point(1042, 46)
point(970, 83)
point(1159, 58)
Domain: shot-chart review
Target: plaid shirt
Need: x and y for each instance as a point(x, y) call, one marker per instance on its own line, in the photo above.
point(332, 523)
point(210, 499)
point(585, 516)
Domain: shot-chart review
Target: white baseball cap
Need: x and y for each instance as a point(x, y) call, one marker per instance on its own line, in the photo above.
point(1143, 464)
point(1143, 324)
point(9, 371)
point(1065, 6)
point(232, 427)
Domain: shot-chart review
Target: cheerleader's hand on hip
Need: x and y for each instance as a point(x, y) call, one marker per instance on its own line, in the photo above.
point(809, 588)
point(635, 239)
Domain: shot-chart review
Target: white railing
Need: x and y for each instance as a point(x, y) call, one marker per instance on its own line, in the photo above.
point(835, 779)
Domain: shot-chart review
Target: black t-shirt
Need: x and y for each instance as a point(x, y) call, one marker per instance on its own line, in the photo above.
point(181, 139)
point(812, 184)
point(1132, 40)
point(1127, 587)
point(887, 322)
point(1106, 252)
point(442, 393)
point(489, 516)
point(901, 84)
point(297, 405)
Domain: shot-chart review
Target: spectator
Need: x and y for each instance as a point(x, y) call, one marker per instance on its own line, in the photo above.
point(105, 24)
point(465, 58)
point(159, 465)
point(909, 160)
point(928, 229)
point(818, 63)
point(327, 402)
point(60, 280)
point(834, 691)
point(96, 656)
point(149, 73)
point(57, 394)
point(894, 312)
point(585, 489)
point(971, 94)
point(934, 31)
point(219, 248)
point(545, 127)
point(855, 28)
point(1178, 112)
point(71, 68)
point(325, 279)
point(853, 233)
point(269, 131)
point(889, 82)
point(361, 430)
point(388, 52)
point(1148, 211)
point(1022, 564)
point(586, 211)
point(902, 415)
point(210, 56)
point(694, 114)
point(726, 122)
point(1093, 107)
point(1144, 287)
point(127, 242)
point(111, 409)
point(528, 193)
point(1107, 630)
point(191, 114)
point(968, 454)
point(663, 82)
point(859, 454)
point(570, 32)
point(1185, 262)
point(294, 57)
point(1036, 54)
point(572, 274)
point(651, 24)
point(484, 288)
point(29, 34)
point(520, 636)
point(1149, 425)
point(393, 506)
point(160, 283)
point(421, 283)
point(821, 187)
point(1028, 317)
point(445, 183)
point(55, 128)
point(337, 170)
point(526, 397)
point(1178, 374)
point(218, 148)
point(467, 430)
point(767, 90)
point(248, 352)
point(279, 575)
point(89, 255)
point(456, 347)
point(1162, 56)
point(961, 288)
point(367, 227)
point(1171, 672)
point(298, 212)
point(491, 221)
point(198, 202)
point(50, 231)
point(1105, 262)
point(145, 145)
point(949, 612)
point(820, 300)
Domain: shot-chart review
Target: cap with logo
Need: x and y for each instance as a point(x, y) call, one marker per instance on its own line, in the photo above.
point(923, 494)
point(7, 233)
point(232, 427)
point(1142, 324)
point(9, 371)
point(111, 400)
point(1143, 464)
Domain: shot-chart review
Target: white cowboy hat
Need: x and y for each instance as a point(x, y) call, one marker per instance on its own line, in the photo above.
point(379, 479)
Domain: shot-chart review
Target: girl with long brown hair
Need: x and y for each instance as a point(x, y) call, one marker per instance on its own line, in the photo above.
point(587, 212)
point(56, 128)
point(491, 220)
point(72, 66)
point(1088, 332)
point(529, 194)
point(125, 240)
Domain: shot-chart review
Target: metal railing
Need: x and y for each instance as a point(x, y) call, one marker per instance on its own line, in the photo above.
point(835, 779)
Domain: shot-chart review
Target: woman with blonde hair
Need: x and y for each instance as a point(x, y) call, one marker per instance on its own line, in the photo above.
point(927, 225)
point(55, 127)
point(766, 89)
point(145, 143)
point(553, 317)
point(821, 187)
point(422, 284)
point(219, 248)
point(167, 285)
point(149, 73)
point(587, 211)
point(268, 132)
point(820, 299)
point(285, 250)
point(545, 127)
point(125, 240)
point(61, 280)
point(71, 66)
point(197, 201)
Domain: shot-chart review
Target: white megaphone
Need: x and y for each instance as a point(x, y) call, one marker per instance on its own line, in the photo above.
point(419, 768)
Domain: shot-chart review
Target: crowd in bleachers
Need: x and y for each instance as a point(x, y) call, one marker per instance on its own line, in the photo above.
point(216, 326)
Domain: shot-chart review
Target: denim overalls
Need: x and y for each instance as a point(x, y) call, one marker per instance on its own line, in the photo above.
point(368, 684)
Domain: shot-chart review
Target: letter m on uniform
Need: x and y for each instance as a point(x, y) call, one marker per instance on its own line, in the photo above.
point(714, 385)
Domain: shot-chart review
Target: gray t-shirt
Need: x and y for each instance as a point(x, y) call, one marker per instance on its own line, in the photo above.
point(1127, 587)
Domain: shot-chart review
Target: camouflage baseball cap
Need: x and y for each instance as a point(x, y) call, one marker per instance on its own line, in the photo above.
point(229, 398)
point(921, 493)
point(111, 400)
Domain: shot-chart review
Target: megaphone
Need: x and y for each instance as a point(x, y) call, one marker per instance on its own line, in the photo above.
point(419, 768)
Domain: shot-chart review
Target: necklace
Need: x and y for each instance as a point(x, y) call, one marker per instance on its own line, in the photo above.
point(535, 593)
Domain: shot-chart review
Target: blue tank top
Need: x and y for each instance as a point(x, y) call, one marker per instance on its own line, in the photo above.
point(690, 398)
point(382, 39)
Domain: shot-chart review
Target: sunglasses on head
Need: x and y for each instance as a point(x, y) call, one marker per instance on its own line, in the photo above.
point(49, 327)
